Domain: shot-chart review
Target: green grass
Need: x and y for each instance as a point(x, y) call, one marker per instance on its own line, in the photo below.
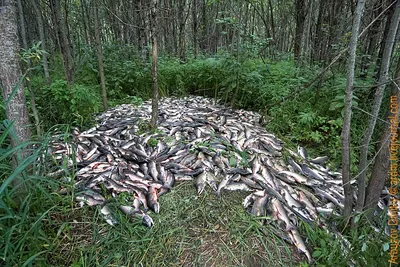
point(189, 231)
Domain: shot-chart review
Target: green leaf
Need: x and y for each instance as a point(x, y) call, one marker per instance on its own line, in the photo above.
point(317, 253)
point(232, 162)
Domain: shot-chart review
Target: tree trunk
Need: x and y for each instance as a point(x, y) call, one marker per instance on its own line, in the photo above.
point(182, 23)
point(27, 81)
point(271, 13)
point(300, 11)
point(316, 52)
point(194, 18)
point(64, 43)
point(382, 46)
point(42, 40)
point(203, 28)
point(100, 54)
point(381, 165)
point(10, 75)
point(345, 137)
point(374, 35)
point(84, 15)
point(145, 32)
point(383, 77)
point(154, 103)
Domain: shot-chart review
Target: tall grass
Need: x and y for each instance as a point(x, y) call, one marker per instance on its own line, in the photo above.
point(22, 239)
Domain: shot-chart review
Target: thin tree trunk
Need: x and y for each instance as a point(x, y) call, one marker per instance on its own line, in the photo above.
point(345, 137)
point(154, 103)
point(100, 54)
point(381, 165)
point(383, 77)
point(194, 18)
point(316, 54)
point(145, 32)
point(10, 75)
point(64, 42)
point(42, 40)
point(27, 81)
point(300, 11)
point(374, 35)
point(383, 42)
point(84, 15)
point(271, 13)
point(182, 23)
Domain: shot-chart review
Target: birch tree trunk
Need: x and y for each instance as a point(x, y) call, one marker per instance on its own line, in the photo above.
point(345, 136)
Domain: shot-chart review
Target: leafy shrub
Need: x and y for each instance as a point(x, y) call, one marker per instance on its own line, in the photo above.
point(58, 105)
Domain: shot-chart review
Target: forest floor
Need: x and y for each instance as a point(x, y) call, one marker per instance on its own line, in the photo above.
point(190, 230)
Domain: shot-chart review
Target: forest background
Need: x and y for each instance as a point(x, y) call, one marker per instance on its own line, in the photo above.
point(288, 60)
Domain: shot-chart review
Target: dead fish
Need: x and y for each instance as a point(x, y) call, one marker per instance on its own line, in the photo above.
point(223, 183)
point(299, 243)
point(280, 213)
point(152, 199)
point(297, 177)
point(211, 181)
point(259, 204)
point(89, 200)
point(197, 140)
point(200, 182)
point(134, 212)
point(237, 187)
point(319, 160)
point(302, 152)
point(107, 214)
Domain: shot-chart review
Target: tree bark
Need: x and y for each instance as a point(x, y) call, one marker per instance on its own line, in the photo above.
point(383, 77)
point(84, 15)
point(382, 46)
point(145, 31)
point(271, 13)
point(381, 165)
point(300, 11)
point(374, 36)
point(154, 103)
point(97, 31)
point(64, 43)
point(345, 136)
point(27, 81)
point(10, 75)
point(42, 40)
point(194, 18)
point(182, 23)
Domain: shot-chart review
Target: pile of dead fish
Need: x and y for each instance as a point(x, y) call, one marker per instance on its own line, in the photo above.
point(208, 143)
